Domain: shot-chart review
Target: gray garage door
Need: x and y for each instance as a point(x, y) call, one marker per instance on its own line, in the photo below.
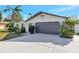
point(47, 27)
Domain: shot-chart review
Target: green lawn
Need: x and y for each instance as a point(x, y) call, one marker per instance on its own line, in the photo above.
point(3, 35)
point(12, 35)
point(8, 35)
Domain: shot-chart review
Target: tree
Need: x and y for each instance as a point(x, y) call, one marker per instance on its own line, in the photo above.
point(77, 21)
point(15, 12)
point(67, 28)
point(0, 16)
point(7, 20)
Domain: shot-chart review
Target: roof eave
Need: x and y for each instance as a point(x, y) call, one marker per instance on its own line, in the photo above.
point(44, 13)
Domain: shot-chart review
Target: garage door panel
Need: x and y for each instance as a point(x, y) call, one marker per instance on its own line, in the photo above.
point(48, 27)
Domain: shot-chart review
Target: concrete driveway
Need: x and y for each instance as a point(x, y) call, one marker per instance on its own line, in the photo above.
point(40, 43)
point(42, 38)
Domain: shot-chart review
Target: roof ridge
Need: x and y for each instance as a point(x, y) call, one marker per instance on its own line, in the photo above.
point(44, 13)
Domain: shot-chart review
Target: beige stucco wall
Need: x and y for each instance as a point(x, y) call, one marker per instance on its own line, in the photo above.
point(44, 18)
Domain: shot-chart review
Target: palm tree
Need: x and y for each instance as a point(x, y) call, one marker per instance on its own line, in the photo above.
point(0, 16)
point(15, 12)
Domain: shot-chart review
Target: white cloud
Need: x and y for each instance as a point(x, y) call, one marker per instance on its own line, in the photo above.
point(25, 17)
point(53, 10)
point(64, 9)
point(4, 16)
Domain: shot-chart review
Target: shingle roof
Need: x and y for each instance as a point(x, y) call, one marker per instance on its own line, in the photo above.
point(40, 12)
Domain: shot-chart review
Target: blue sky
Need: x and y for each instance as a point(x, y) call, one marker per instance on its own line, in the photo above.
point(63, 10)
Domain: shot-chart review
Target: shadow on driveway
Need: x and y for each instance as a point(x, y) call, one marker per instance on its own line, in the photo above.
point(47, 38)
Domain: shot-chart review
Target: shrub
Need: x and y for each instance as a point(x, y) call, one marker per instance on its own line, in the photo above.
point(31, 28)
point(10, 26)
point(77, 33)
point(22, 29)
point(67, 28)
point(17, 29)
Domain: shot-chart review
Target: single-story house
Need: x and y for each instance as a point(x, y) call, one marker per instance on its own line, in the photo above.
point(45, 23)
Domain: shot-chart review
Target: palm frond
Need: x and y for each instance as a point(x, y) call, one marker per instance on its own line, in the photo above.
point(5, 10)
point(17, 8)
point(8, 8)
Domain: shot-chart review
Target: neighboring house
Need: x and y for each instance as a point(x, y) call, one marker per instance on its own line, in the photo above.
point(45, 23)
point(3, 25)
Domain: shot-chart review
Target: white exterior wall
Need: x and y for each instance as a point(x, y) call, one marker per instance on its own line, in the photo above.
point(45, 18)
point(77, 28)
